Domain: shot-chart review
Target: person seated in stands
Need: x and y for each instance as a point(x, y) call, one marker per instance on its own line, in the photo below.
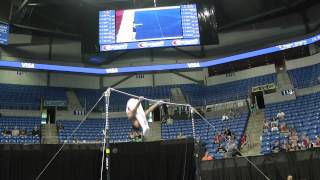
point(23, 132)
point(230, 114)
point(169, 121)
point(284, 128)
point(286, 146)
point(244, 140)
point(97, 139)
point(207, 157)
point(15, 131)
point(237, 113)
point(36, 131)
point(135, 136)
point(293, 135)
point(181, 135)
point(227, 133)
point(252, 108)
point(276, 147)
point(274, 127)
point(74, 140)
point(306, 142)
point(60, 126)
point(266, 126)
point(221, 149)
point(6, 132)
point(224, 117)
point(232, 150)
point(275, 121)
point(280, 115)
point(218, 138)
point(294, 145)
point(317, 142)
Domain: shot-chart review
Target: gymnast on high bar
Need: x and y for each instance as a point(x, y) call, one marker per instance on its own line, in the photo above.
point(138, 116)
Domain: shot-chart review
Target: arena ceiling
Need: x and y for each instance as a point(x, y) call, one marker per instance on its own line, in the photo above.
point(74, 18)
point(78, 19)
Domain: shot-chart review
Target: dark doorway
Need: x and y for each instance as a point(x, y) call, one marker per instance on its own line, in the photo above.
point(280, 63)
point(157, 114)
point(260, 100)
point(51, 115)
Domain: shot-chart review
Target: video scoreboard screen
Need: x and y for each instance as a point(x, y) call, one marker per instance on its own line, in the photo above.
point(4, 34)
point(148, 28)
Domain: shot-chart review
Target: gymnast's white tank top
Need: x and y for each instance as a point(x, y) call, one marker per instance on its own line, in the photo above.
point(140, 115)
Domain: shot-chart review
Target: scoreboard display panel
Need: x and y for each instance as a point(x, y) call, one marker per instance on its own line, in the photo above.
point(148, 28)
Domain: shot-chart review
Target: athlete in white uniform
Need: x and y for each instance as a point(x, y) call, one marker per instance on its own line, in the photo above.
point(137, 115)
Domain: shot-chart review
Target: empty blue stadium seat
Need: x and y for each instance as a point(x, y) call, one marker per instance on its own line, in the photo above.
point(305, 77)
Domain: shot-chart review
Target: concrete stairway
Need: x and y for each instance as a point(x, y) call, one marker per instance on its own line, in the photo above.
point(254, 132)
point(283, 79)
point(177, 95)
point(49, 134)
point(283, 83)
point(155, 131)
point(73, 100)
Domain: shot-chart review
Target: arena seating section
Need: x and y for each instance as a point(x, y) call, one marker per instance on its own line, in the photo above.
point(305, 77)
point(27, 123)
point(236, 90)
point(206, 133)
point(28, 97)
point(197, 95)
point(194, 93)
point(301, 114)
point(92, 130)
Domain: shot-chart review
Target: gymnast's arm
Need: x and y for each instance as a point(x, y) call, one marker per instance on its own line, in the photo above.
point(153, 107)
point(132, 114)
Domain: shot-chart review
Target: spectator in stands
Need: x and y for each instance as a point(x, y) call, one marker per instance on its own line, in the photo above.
point(237, 113)
point(252, 108)
point(232, 149)
point(6, 132)
point(218, 138)
point(317, 143)
point(35, 131)
point(276, 147)
point(60, 126)
point(169, 121)
point(97, 139)
point(274, 127)
point(224, 117)
point(230, 114)
point(293, 135)
point(135, 136)
point(275, 121)
point(294, 146)
point(286, 146)
point(227, 132)
point(181, 135)
point(207, 157)
point(306, 142)
point(244, 140)
point(221, 149)
point(23, 132)
point(284, 128)
point(15, 131)
point(75, 140)
point(280, 115)
point(266, 126)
